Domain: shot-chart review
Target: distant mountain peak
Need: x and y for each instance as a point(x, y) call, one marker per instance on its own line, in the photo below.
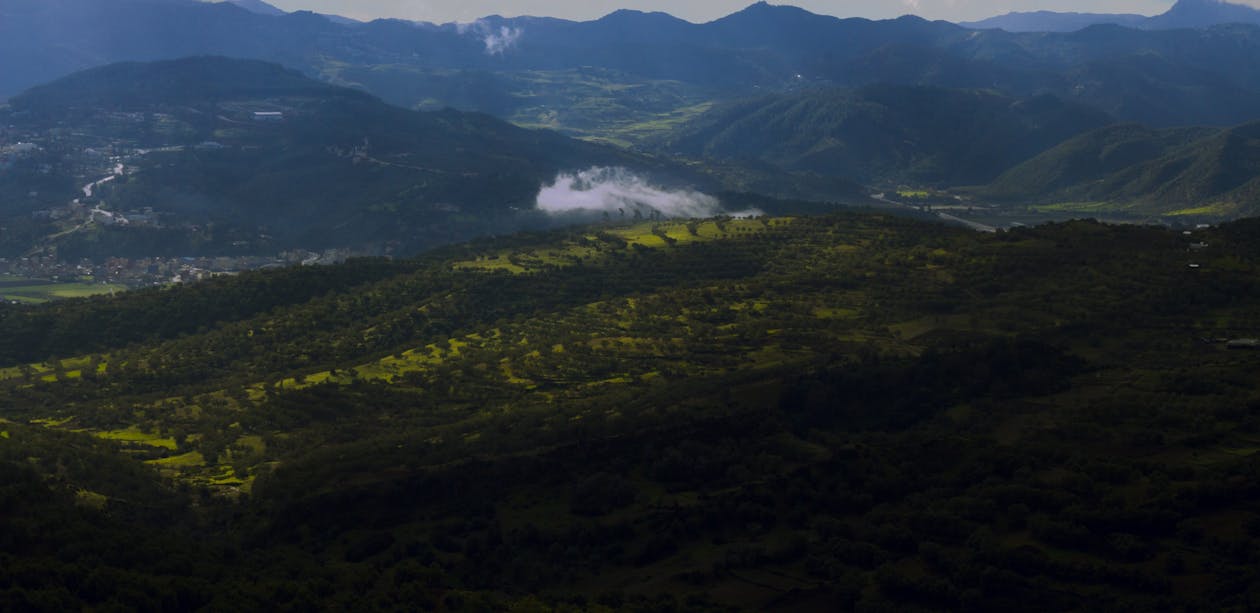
point(630, 13)
point(1215, 6)
point(253, 6)
point(762, 9)
point(1203, 13)
point(766, 15)
point(639, 16)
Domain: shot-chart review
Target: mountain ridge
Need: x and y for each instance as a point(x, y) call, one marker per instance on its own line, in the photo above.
point(760, 49)
point(258, 6)
point(1195, 172)
point(887, 133)
point(1183, 14)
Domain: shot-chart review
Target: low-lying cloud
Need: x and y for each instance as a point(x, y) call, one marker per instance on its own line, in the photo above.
point(497, 40)
point(622, 192)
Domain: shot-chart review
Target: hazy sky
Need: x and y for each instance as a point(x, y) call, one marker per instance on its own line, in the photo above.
point(441, 11)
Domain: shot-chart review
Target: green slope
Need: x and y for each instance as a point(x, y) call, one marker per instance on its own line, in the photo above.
point(777, 414)
point(1178, 172)
point(919, 135)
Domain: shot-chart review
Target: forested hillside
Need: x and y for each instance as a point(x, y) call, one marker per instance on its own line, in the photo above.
point(1193, 172)
point(771, 414)
point(881, 134)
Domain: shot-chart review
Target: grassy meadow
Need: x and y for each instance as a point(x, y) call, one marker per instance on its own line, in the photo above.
point(38, 291)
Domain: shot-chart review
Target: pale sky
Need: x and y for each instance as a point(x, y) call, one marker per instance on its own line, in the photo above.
point(443, 11)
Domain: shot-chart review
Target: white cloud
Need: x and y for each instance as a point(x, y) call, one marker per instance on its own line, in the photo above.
point(502, 40)
point(497, 40)
point(619, 191)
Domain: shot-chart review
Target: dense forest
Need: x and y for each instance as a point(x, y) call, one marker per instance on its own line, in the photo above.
point(853, 411)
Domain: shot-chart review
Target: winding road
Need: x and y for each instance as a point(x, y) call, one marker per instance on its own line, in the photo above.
point(978, 227)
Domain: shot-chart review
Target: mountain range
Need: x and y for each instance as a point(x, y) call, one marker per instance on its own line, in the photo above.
point(321, 166)
point(341, 168)
point(1160, 77)
point(772, 99)
point(1183, 14)
point(245, 156)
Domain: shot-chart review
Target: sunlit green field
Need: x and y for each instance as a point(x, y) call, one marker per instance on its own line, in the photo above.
point(37, 291)
point(1214, 209)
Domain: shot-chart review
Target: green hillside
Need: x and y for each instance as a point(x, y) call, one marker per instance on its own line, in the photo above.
point(919, 135)
point(853, 411)
point(146, 86)
point(1134, 170)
